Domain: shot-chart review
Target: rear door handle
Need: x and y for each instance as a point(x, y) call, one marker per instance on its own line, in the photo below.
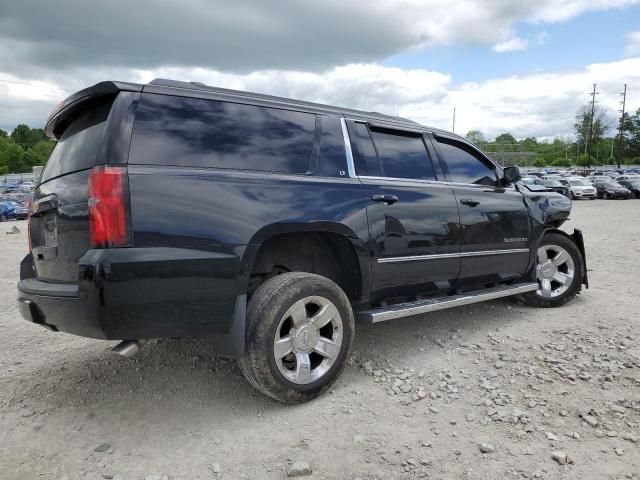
point(469, 202)
point(388, 199)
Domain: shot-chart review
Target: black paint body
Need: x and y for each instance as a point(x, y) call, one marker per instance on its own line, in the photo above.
point(196, 231)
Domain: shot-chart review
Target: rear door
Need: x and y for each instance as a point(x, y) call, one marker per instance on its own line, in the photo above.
point(59, 212)
point(494, 221)
point(413, 218)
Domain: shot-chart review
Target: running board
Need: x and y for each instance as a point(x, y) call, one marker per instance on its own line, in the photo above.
point(425, 306)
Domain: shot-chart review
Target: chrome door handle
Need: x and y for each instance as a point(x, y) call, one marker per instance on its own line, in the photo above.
point(469, 202)
point(388, 199)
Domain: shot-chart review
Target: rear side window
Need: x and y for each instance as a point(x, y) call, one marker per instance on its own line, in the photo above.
point(79, 144)
point(463, 165)
point(209, 133)
point(364, 153)
point(403, 155)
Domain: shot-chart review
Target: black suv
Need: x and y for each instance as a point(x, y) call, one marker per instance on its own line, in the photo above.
point(175, 209)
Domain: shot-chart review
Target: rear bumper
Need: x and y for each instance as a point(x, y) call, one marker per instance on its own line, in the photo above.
point(127, 294)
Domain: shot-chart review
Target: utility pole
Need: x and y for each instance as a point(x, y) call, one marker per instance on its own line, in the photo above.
point(453, 129)
point(589, 142)
point(624, 101)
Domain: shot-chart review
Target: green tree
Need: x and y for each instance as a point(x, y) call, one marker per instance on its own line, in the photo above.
point(27, 137)
point(584, 131)
point(44, 148)
point(561, 162)
point(539, 162)
point(584, 160)
point(475, 136)
point(11, 155)
point(505, 138)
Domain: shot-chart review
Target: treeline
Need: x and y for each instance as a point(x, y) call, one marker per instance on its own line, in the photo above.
point(23, 149)
point(595, 144)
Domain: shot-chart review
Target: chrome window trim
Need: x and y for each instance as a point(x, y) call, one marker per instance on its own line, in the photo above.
point(439, 256)
point(351, 169)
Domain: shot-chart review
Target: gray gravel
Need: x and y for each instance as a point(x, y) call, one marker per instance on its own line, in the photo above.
point(555, 393)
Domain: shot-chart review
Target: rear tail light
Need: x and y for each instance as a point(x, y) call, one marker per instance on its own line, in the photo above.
point(108, 207)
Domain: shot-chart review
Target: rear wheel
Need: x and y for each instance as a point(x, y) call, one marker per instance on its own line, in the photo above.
point(559, 272)
point(299, 331)
point(3, 218)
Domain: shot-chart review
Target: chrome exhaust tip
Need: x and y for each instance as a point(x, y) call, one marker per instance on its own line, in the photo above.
point(128, 348)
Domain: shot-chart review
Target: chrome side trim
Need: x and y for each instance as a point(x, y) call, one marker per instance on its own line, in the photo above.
point(425, 306)
point(439, 256)
point(495, 252)
point(416, 258)
point(351, 168)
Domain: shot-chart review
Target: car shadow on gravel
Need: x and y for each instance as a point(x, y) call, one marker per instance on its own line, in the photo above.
point(183, 374)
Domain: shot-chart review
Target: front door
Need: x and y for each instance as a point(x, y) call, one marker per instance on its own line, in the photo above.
point(495, 225)
point(413, 218)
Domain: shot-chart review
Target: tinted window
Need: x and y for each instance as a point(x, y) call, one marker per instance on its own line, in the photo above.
point(209, 133)
point(364, 154)
point(333, 158)
point(402, 155)
point(77, 147)
point(463, 165)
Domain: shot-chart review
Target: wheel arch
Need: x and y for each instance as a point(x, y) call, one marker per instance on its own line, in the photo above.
point(577, 238)
point(346, 251)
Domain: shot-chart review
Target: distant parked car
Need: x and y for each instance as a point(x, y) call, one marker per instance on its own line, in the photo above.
point(627, 176)
point(22, 211)
point(7, 211)
point(632, 184)
point(531, 181)
point(609, 189)
point(556, 186)
point(580, 188)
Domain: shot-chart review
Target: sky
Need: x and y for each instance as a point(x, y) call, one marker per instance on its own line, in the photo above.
point(519, 66)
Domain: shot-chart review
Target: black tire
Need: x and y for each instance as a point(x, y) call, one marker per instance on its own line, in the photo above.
point(535, 299)
point(266, 309)
point(605, 196)
point(3, 218)
point(573, 196)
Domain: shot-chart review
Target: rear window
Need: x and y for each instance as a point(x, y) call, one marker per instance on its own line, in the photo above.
point(79, 144)
point(403, 155)
point(209, 133)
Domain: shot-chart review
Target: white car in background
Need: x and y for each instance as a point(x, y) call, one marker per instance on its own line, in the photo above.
point(580, 187)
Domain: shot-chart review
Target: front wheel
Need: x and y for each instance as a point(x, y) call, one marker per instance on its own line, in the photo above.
point(606, 196)
point(559, 272)
point(3, 218)
point(299, 331)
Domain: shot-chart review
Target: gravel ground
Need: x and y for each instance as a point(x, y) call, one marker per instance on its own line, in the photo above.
point(495, 390)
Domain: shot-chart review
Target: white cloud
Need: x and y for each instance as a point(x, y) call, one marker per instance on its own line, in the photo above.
point(540, 104)
point(259, 34)
point(633, 44)
point(513, 44)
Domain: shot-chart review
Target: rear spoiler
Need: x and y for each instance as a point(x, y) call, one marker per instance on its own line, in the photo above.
point(73, 103)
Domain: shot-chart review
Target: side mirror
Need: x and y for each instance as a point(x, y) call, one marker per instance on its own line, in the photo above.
point(510, 175)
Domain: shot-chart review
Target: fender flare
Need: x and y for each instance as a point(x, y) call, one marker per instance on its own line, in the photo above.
point(577, 238)
point(359, 245)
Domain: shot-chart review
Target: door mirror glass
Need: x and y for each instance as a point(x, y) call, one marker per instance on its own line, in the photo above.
point(510, 175)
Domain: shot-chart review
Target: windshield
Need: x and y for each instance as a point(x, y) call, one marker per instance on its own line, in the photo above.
point(552, 183)
point(610, 183)
point(579, 183)
point(528, 181)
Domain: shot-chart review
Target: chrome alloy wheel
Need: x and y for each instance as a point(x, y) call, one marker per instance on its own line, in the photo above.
point(555, 271)
point(308, 340)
